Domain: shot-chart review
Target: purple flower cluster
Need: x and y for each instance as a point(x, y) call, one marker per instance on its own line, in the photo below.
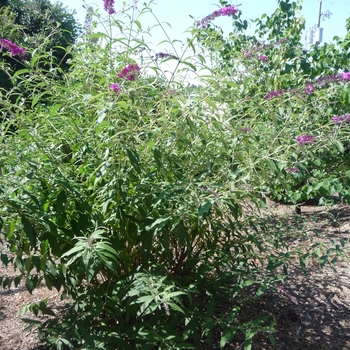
point(341, 119)
point(109, 6)
point(346, 76)
point(130, 72)
point(332, 78)
point(305, 140)
point(246, 54)
point(115, 87)
point(309, 89)
point(293, 170)
point(260, 47)
point(162, 55)
point(228, 11)
point(278, 93)
point(224, 11)
point(274, 94)
point(246, 130)
point(13, 48)
point(324, 81)
point(263, 58)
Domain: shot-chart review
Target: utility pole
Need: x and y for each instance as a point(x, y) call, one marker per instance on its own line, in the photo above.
point(319, 30)
point(315, 33)
point(319, 13)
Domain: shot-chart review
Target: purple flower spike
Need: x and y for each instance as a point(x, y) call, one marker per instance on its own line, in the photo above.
point(115, 87)
point(346, 76)
point(130, 72)
point(109, 6)
point(228, 11)
point(246, 130)
point(328, 79)
point(305, 140)
point(341, 119)
point(309, 90)
point(246, 54)
point(274, 94)
point(293, 170)
point(224, 11)
point(163, 55)
point(263, 58)
point(13, 48)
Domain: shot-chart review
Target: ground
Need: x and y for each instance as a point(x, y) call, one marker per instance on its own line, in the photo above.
point(311, 311)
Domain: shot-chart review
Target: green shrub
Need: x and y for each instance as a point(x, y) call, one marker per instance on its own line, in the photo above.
point(128, 190)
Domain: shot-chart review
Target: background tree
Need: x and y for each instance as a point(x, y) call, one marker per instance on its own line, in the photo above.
point(37, 24)
point(47, 30)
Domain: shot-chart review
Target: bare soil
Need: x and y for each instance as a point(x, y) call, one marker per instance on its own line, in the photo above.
point(311, 311)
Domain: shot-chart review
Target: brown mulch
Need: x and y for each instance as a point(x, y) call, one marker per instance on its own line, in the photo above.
point(311, 311)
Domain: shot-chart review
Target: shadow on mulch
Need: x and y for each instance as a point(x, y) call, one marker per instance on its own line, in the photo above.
point(311, 311)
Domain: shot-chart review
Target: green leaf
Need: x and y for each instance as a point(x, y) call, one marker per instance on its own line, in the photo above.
point(339, 146)
point(28, 264)
point(227, 335)
point(134, 159)
point(176, 307)
point(54, 109)
point(19, 264)
point(60, 202)
point(103, 246)
point(31, 283)
point(39, 97)
point(190, 65)
point(4, 259)
point(323, 260)
point(138, 24)
point(75, 250)
point(211, 103)
point(20, 71)
point(17, 280)
point(145, 298)
point(159, 224)
point(44, 309)
point(51, 268)
point(10, 229)
point(204, 208)
point(29, 231)
point(248, 343)
point(158, 158)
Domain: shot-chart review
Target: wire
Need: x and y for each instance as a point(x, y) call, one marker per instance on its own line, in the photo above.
point(337, 2)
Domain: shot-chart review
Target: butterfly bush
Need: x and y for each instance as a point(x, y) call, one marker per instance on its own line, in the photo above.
point(246, 130)
point(109, 6)
point(115, 87)
point(346, 76)
point(274, 94)
point(12, 48)
point(341, 119)
point(130, 72)
point(305, 140)
point(162, 55)
point(263, 58)
point(321, 82)
point(328, 79)
point(309, 90)
point(224, 11)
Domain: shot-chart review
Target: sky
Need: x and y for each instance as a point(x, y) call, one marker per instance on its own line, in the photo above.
point(177, 13)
